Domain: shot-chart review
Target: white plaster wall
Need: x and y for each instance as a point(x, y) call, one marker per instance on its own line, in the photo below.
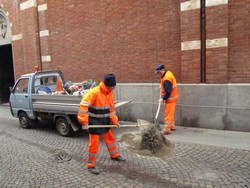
point(213, 106)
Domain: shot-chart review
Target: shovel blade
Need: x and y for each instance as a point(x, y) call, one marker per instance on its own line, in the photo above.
point(118, 104)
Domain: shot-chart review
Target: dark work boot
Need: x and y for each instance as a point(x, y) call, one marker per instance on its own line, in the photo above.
point(94, 170)
point(119, 158)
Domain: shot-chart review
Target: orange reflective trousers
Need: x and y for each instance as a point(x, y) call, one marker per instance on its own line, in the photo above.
point(169, 122)
point(94, 140)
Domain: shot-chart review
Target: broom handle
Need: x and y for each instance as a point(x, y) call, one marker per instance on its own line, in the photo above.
point(158, 109)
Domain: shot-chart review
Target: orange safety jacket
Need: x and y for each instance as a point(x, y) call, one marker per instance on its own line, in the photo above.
point(97, 108)
point(174, 94)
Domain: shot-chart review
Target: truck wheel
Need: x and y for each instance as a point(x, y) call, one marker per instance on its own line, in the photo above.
point(63, 127)
point(24, 120)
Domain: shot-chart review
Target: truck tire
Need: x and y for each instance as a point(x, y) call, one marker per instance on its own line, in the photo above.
point(24, 120)
point(63, 127)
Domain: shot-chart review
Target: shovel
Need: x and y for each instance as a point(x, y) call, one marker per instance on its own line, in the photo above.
point(111, 126)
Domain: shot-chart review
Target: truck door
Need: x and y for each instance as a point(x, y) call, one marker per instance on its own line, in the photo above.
point(20, 98)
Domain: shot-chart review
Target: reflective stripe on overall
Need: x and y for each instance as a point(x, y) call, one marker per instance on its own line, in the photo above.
point(94, 140)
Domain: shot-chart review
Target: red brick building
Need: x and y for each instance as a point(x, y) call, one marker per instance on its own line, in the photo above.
point(201, 41)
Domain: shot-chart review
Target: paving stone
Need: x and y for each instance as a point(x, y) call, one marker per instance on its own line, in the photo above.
point(25, 154)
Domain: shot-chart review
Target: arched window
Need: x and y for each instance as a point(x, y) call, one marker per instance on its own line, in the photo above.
point(5, 32)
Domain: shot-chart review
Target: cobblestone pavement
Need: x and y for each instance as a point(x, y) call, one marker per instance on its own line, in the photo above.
point(27, 159)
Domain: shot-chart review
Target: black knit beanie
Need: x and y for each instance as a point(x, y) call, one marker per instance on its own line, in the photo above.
point(109, 80)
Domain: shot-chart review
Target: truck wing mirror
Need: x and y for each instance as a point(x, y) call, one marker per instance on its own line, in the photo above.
point(11, 89)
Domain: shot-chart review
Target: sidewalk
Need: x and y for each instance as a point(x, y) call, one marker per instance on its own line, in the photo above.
point(210, 137)
point(221, 138)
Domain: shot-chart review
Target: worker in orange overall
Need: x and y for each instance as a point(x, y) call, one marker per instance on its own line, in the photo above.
point(97, 108)
point(169, 95)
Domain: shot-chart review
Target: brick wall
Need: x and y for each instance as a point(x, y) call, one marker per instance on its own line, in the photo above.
point(217, 53)
point(239, 42)
point(31, 40)
point(86, 39)
point(190, 56)
point(128, 38)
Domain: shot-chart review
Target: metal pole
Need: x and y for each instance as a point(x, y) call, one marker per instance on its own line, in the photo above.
point(112, 126)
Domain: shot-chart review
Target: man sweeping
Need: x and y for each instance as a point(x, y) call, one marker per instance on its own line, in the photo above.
point(97, 108)
point(169, 95)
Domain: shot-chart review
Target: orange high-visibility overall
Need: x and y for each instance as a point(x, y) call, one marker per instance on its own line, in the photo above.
point(170, 103)
point(97, 108)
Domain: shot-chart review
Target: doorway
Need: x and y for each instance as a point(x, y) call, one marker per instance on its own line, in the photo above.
point(6, 72)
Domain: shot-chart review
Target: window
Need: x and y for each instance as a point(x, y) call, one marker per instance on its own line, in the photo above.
point(22, 86)
point(48, 81)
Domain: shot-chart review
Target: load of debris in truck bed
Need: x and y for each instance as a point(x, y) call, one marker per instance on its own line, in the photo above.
point(55, 87)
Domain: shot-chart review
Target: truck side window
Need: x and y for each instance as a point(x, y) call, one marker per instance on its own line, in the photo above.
point(22, 86)
point(49, 80)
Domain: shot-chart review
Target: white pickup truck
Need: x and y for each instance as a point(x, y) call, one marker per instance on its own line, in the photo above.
point(27, 105)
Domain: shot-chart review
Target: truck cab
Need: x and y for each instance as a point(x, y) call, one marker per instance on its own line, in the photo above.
point(40, 82)
point(20, 96)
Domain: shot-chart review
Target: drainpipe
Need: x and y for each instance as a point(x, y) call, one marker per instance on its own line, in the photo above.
point(203, 40)
point(39, 38)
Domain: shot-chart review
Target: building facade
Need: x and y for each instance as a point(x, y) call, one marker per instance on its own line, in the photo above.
point(201, 41)
point(206, 44)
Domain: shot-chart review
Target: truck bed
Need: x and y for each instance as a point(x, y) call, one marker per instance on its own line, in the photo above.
point(68, 104)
